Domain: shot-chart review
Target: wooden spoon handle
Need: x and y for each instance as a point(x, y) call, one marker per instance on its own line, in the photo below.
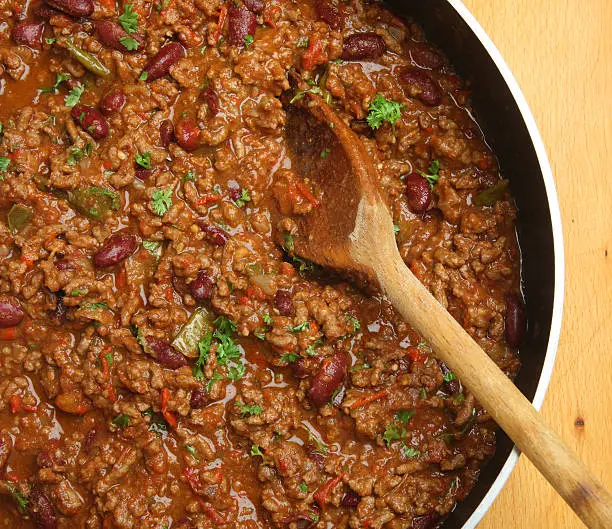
point(494, 390)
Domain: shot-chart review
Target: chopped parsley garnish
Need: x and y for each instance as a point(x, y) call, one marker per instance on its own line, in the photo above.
point(325, 152)
point(434, 173)
point(322, 448)
point(144, 160)
point(143, 76)
point(254, 409)
point(109, 358)
point(458, 399)
point(74, 96)
point(50, 40)
point(152, 247)
point(243, 199)
point(381, 110)
point(409, 451)
point(129, 19)
point(311, 351)
point(59, 79)
point(162, 200)
point(248, 40)
point(302, 42)
point(96, 306)
point(353, 321)
point(203, 352)
point(267, 319)
point(129, 43)
point(158, 424)
point(214, 379)
point(122, 421)
point(449, 376)
point(396, 229)
point(236, 372)
point(288, 242)
point(4, 163)
point(79, 292)
point(303, 487)
point(256, 451)
point(301, 93)
point(299, 328)
point(404, 416)
point(290, 358)
point(314, 517)
point(192, 451)
point(189, 177)
point(20, 499)
point(393, 432)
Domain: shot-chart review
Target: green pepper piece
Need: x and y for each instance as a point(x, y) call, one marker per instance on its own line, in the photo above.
point(489, 196)
point(193, 331)
point(18, 217)
point(94, 202)
point(89, 61)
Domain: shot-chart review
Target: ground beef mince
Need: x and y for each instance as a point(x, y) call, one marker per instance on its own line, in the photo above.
point(163, 361)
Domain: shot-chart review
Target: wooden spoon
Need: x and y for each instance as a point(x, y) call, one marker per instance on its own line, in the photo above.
point(352, 231)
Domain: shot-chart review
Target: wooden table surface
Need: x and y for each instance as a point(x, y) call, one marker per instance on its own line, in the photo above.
point(561, 54)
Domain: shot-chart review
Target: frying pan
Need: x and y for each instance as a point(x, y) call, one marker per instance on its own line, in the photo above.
point(510, 129)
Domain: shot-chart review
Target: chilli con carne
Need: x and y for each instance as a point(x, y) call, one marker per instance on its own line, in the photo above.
point(164, 363)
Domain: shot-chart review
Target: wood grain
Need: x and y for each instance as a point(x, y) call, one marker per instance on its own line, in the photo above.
point(561, 54)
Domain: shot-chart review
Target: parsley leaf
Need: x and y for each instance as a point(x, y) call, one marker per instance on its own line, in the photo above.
point(311, 351)
point(303, 487)
point(59, 79)
point(129, 19)
point(22, 501)
point(236, 372)
point(325, 152)
point(409, 451)
point(4, 163)
point(254, 409)
point(129, 43)
point(353, 321)
point(288, 242)
point(404, 416)
point(162, 200)
point(392, 433)
point(215, 378)
point(153, 247)
point(301, 93)
point(248, 40)
point(299, 328)
point(192, 451)
point(243, 199)
point(96, 306)
point(122, 421)
point(302, 42)
point(290, 357)
point(267, 319)
point(381, 110)
point(256, 451)
point(449, 376)
point(143, 76)
point(74, 96)
point(434, 173)
point(203, 351)
point(144, 160)
point(189, 177)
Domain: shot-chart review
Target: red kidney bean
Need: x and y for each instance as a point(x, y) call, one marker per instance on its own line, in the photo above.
point(28, 33)
point(64, 264)
point(160, 65)
point(419, 84)
point(42, 509)
point(198, 399)
point(75, 8)
point(214, 234)
point(187, 134)
point(165, 354)
point(331, 12)
point(299, 369)
point(241, 22)
point(115, 249)
point(326, 381)
point(516, 322)
point(112, 102)
point(110, 34)
point(166, 132)
point(143, 174)
point(90, 120)
point(257, 6)
point(362, 46)
point(452, 387)
point(427, 521)
point(11, 313)
point(418, 192)
point(235, 190)
point(89, 440)
point(58, 314)
point(210, 97)
point(422, 55)
point(201, 287)
point(284, 302)
point(350, 500)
